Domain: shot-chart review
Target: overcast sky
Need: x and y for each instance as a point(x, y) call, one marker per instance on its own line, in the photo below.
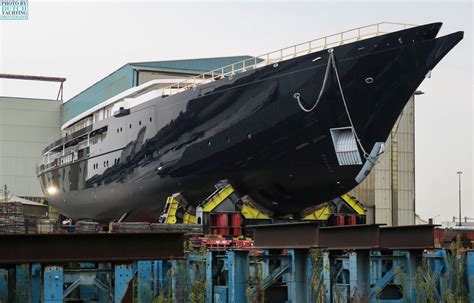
point(85, 41)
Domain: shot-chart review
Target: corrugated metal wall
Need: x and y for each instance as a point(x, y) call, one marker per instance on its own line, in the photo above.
point(26, 127)
point(389, 190)
point(115, 83)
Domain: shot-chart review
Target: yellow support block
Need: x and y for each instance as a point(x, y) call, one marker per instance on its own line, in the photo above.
point(171, 207)
point(217, 199)
point(321, 214)
point(189, 218)
point(250, 212)
point(354, 204)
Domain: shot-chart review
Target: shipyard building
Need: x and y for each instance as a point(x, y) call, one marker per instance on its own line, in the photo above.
point(28, 125)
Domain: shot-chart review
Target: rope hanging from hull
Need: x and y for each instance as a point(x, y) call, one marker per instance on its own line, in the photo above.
point(332, 63)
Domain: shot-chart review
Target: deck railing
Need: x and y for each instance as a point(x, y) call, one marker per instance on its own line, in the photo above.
point(293, 51)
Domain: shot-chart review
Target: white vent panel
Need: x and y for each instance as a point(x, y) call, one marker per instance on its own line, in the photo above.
point(345, 146)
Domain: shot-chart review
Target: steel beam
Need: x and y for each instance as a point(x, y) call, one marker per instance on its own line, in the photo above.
point(33, 78)
point(286, 235)
point(356, 237)
point(120, 247)
point(408, 237)
point(364, 236)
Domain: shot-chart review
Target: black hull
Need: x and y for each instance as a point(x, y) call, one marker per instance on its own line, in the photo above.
point(251, 131)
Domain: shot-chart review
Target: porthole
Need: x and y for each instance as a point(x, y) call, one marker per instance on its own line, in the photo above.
point(139, 122)
point(150, 119)
point(120, 129)
point(130, 126)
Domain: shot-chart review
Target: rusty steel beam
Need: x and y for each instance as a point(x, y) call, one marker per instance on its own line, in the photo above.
point(310, 234)
point(99, 247)
point(357, 237)
point(408, 237)
point(32, 78)
point(286, 235)
point(364, 236)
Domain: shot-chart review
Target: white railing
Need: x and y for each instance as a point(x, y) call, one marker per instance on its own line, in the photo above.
point(293, 51)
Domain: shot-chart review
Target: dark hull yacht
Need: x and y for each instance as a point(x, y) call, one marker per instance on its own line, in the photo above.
point(291, 130)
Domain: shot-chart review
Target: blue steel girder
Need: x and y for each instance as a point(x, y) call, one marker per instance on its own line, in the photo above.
point(178, 281)
point(195, 271)
point(53, 281)
point(3, 285)
point(145, 287)
point(470, 274)
point(380, 285)
point(327, 277)
point(359, 274)
point(209, 283)
point(35, 283)
point(123, 276)
point(22, 288)
point(87, 292)
point(400, 261)
point(321, 292)
point(237, 270)
point(296, 276)
point(438, 265)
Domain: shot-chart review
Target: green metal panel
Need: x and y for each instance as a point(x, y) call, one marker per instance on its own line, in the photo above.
point(115, 83)
point(26, 127)
point(196, 66)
